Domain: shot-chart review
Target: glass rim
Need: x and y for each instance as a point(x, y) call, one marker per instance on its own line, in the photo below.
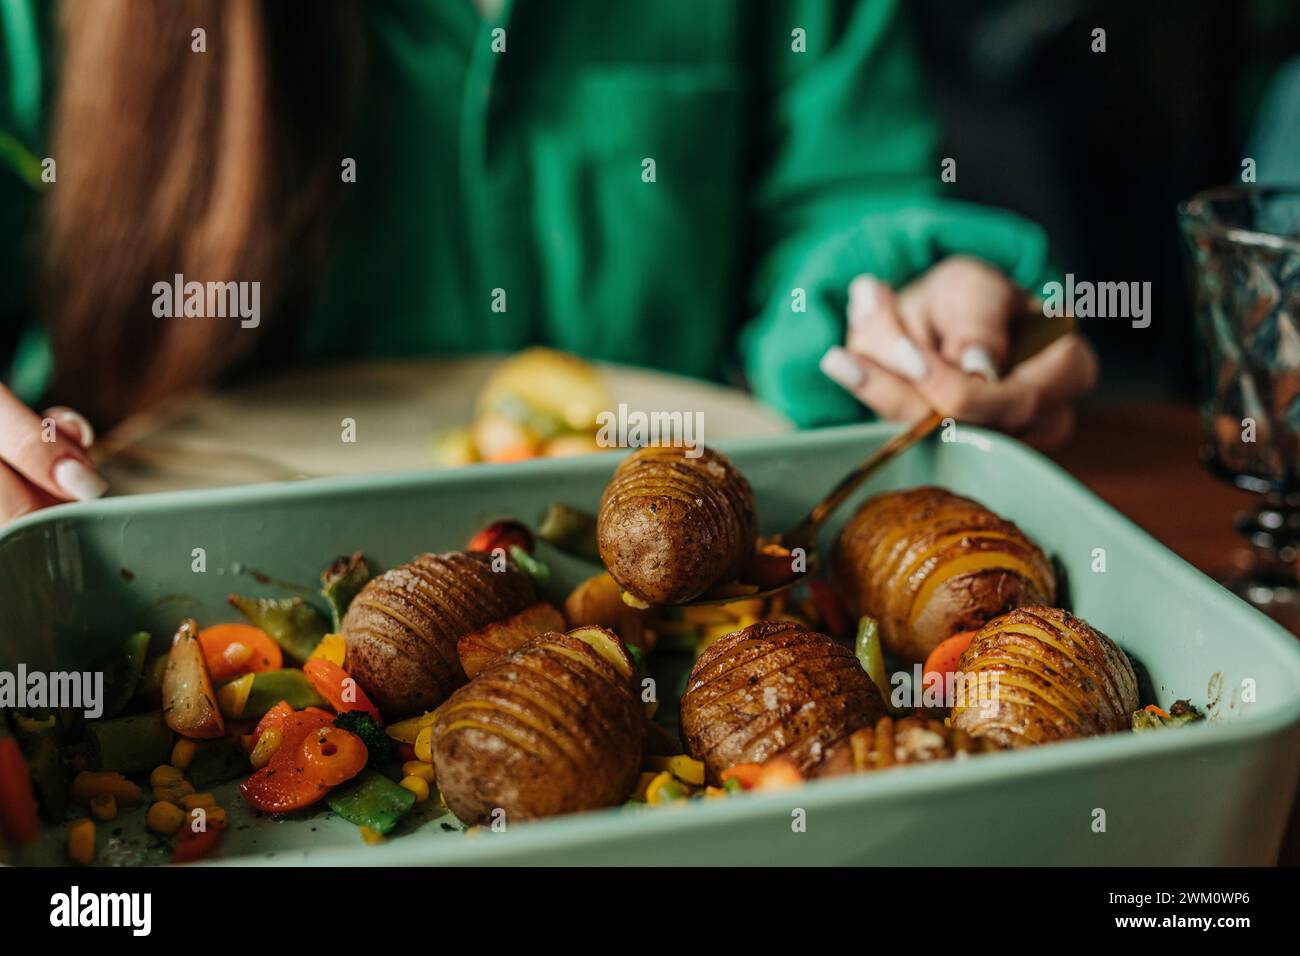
point(1196, 209)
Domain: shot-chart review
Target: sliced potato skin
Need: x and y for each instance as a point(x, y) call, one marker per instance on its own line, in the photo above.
point(552, 728)
point(189, 703)
point(928, 564)
point(477, 649)
point(1056, 678)
point(773, 688)
point(402, 628)
point(670, 527)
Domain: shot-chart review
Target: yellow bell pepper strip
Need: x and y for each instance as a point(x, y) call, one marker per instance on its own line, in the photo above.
point(332, 648)
point(406, 731)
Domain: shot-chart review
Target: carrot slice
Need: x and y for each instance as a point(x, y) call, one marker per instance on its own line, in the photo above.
point(233, 650)
point(943, 659)
point(341, 691)
point(283, 785)
point(275, 717)
point(748, 774)
point(332, 755)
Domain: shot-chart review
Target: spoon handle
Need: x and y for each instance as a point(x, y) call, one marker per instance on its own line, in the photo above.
point(804, 533)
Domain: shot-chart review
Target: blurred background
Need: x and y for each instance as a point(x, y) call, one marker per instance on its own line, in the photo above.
point(1100, 148)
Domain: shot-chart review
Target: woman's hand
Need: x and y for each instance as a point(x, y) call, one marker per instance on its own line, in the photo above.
point(43, 458)
point(942, 343)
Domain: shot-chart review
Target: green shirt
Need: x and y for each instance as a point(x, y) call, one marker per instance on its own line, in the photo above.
point(680, 184)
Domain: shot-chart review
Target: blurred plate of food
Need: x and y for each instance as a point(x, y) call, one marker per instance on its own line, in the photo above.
point(385, 416)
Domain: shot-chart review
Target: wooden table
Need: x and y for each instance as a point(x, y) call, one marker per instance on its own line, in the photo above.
point(1142, 459)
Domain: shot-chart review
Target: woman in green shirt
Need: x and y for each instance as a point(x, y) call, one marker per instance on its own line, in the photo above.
point(677, 184)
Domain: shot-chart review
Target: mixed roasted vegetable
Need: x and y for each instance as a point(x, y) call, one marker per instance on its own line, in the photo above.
point(462, 681)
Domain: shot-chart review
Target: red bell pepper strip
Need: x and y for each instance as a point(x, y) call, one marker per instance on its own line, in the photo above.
point(18, 814)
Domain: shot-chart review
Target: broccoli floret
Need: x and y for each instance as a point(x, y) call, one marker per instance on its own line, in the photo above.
point(379, 745)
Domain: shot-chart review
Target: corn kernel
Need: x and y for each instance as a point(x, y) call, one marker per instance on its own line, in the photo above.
point(217, 817)
point(418, 768)
point(267, 745)
point(165, 818)
point(183, 753)
point(81, 841)
point(418, 786)
point(192, 800)
point(371, 836)
point(165, 775)
point(174, 792)
point(424, 745)
point(103, 806)
point(663, 789)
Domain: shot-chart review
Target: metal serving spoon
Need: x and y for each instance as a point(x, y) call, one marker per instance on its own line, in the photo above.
point(1032, 333)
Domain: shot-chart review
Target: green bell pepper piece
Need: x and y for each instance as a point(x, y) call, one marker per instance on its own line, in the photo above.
point(871, 655)
point(128, 745)
point(571, 531)
point(41, 738)
point(371, 800)
point(291, 622)
point(271, 687)
point(122, 673)
point(340, 583)
point(217, 762)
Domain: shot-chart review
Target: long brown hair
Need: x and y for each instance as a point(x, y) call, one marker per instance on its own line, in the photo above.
point(221, 165)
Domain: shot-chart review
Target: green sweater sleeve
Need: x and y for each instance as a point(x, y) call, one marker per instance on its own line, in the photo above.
point(853, 186)
point(23, 30)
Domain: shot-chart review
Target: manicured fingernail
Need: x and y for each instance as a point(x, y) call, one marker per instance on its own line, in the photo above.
point(78, 481)
point(839, 366)
point(907, 360)
point(976, 360)
point(75, 421)
point(864, 298)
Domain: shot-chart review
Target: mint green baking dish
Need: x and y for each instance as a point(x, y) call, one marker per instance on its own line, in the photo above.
point(74, 578)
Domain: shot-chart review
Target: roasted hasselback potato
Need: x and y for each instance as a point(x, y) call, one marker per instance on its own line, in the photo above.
point(671, 527)
point(927, 564)
point(1039, 674)
point(555, 727)
point(402, 628)
point(774, 688)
